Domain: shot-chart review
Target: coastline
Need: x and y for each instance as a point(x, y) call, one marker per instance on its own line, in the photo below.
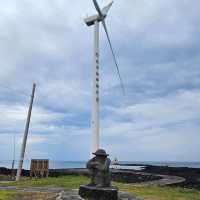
point(147, 174)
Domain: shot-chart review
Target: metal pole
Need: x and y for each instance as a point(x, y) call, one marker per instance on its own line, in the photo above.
point(25, 135)
point(95, 91)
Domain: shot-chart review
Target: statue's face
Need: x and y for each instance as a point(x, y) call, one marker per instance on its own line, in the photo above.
point(101, 158)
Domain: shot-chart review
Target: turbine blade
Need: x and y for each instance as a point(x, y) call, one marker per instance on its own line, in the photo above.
point(114, 57)
point(107, 8)
point(97, 8)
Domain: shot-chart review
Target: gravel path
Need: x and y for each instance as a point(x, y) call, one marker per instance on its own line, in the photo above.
point(33, 189)
point(164, 181)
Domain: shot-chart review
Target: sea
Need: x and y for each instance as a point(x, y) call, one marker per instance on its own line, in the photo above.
point(122, 164)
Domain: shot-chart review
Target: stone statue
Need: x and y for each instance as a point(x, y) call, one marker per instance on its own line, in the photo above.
point(100, 186)
point(99, 169)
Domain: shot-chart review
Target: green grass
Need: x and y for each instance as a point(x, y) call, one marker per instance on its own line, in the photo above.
point(72, 182)
point(6, 195)
point(4, 177)
point(159, 193)
point(13, 195)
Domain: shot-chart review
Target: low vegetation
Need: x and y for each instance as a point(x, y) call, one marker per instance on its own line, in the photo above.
point(160, 193)
point(12, 195)
point(70, 182)
point(6, 195)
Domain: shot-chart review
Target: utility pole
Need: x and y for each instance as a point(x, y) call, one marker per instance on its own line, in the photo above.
point(19, 170)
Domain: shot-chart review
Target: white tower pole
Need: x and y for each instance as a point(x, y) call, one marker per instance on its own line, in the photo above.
point(95, 91)
point(25, 135)
point(94, 20)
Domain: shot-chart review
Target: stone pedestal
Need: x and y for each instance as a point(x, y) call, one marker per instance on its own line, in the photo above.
point(94, 193)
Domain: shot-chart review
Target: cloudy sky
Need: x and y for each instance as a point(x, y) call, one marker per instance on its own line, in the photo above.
point(157, 46)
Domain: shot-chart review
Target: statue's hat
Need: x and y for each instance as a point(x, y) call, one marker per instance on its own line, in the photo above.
point(101, 152)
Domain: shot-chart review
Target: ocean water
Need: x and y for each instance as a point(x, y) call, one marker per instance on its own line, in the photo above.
point(52, 164)
point(81, 164)
point(165, 163)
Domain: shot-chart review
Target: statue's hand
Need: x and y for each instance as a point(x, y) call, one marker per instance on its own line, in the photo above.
point(92, 165)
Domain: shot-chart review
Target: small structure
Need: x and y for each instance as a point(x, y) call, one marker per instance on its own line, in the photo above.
point(115, 162)
point(100, 186)
point(39, 168)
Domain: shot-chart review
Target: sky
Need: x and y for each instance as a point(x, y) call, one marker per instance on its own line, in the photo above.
point(157, 47)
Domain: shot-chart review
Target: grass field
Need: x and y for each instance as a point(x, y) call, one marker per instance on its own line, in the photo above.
point(4, 195)
point(160, 193)
point(12, 195)
point(69, 182)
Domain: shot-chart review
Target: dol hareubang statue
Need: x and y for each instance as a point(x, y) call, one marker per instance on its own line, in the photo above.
point(99, 169)
point(100, 186)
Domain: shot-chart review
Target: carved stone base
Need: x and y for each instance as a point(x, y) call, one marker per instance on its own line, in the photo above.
point(94, 193)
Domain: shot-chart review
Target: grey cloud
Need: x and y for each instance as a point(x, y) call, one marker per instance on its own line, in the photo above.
point(156, 43)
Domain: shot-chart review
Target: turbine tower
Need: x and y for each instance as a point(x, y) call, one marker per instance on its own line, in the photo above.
point(94, 21)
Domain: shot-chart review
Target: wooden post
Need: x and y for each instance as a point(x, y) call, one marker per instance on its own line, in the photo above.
point(25, 135)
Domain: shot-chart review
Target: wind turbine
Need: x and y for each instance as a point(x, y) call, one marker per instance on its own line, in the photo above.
point(94, 21)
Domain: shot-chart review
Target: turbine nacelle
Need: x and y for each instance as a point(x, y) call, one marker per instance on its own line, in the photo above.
point(100, 16)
